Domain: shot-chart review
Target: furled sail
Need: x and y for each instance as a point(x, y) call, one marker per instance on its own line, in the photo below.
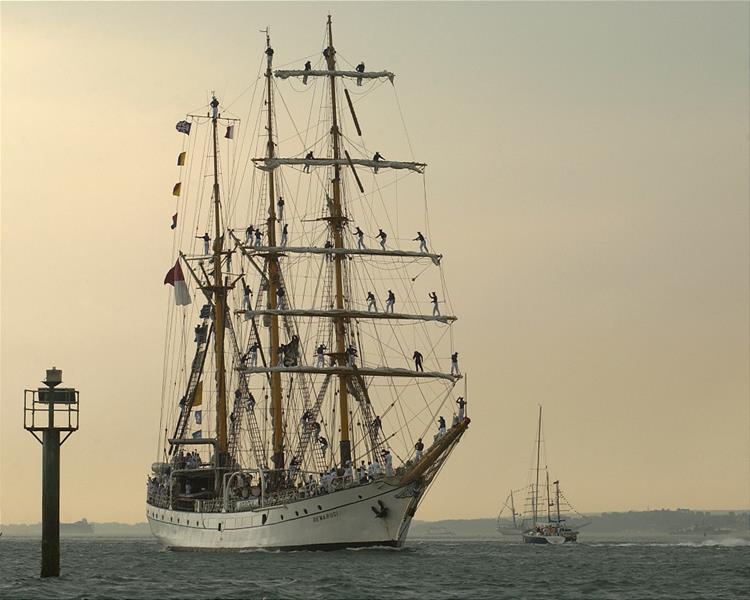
point(269, 164)
point(285, 74)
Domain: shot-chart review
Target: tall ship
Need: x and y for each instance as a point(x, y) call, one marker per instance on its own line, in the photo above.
point(538, 513)
point(309, 393)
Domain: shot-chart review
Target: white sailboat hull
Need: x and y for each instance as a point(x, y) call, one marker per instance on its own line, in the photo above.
point(342, 519)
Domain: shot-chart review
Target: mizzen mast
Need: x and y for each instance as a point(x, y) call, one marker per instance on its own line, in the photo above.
point(337, 220)
point(538, 447)
point(273, 275)
point(220, 297)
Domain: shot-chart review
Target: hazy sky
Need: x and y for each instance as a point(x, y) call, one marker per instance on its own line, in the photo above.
point(588, 184)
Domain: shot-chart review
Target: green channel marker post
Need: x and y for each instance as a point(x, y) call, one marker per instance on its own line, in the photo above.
point(51, 410)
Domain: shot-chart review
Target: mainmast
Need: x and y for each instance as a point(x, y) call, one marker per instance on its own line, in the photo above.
point(549, 517)
point(337, 223)
point(538, 447)
point(220, 295)
point(557, 499)
point(273, 275)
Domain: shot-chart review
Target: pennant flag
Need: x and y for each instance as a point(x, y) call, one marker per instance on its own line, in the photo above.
point(174, 222)
point(183, 127)
point(177, 189)
point(230, 132)
point(198, 417)
point(197, 435)
point(198, 398)
point(181, 159)
point(176, 279)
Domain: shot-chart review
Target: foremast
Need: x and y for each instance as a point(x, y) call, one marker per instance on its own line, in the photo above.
point(273, 275)
point(220, 295)
point(337, 220)
point(535, 494)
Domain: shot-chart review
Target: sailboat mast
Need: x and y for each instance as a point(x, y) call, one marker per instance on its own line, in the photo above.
point(512, 508)
point(337, 223)
point(273, 275)
point(220, 297)
point(546, 473)
point(557, 499)
point(538, 447)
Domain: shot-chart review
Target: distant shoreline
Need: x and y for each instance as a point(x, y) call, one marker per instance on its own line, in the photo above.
point(654, 525)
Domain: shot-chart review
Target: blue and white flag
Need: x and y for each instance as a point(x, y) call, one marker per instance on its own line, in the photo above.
point(198, 416)
point(197, 435)
point(183, 127)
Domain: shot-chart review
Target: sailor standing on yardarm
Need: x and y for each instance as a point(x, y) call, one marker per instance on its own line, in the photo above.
point(435, 308)
point(383, 236)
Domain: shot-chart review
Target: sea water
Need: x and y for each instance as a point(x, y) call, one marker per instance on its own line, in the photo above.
point(140, 568)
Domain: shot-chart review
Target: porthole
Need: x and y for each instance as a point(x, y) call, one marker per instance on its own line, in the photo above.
point(219, 527)
point(264, 519)
point(360, 497)
point(282, 517)
point(320, 507)
point(296, 513)
point(305, 510)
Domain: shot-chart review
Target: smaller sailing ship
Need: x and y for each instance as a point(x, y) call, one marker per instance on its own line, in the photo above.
point(542, 518)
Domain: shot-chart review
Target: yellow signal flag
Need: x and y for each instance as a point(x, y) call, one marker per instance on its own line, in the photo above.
point(198, 399)
point(181, 159)
point(176, 189)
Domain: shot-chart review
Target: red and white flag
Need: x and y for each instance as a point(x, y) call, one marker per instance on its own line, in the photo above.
point(176, 279)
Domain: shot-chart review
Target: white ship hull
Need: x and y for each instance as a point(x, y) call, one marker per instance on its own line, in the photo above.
point(342, 519)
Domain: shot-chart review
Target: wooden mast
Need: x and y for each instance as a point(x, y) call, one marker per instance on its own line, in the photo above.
point(220, 295)
point(273, 275)
point(549, 517)
point(337, 223)
point(538, 446)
